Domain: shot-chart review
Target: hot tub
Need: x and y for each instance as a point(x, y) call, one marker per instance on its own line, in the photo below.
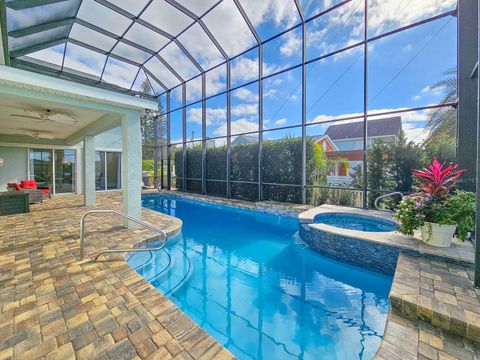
point(355, 222)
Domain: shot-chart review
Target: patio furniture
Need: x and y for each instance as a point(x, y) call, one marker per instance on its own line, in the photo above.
point(14, 202)
point(32, 184)
point(34, 195)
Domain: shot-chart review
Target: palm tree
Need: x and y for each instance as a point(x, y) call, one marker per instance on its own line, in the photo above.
point(443, 120)
point(441, 142)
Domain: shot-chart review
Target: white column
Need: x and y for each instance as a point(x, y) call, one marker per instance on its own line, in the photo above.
point(132, 165)
point(89, 170)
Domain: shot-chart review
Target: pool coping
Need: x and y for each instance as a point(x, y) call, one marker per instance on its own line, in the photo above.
point(267, 206)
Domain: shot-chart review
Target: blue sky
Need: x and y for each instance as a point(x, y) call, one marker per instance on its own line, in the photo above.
point(402, 67)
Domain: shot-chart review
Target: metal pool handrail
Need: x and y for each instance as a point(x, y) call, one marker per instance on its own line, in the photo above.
point(126, 216)
point(385, 196)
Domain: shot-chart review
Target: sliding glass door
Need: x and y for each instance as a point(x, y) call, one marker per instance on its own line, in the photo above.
point(100, 170)
point(65, 171)
point(108, 170)
point(54, 168)
point(41, 167)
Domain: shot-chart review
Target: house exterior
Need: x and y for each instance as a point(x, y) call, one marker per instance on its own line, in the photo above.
point(60, 167)
point(343, 143)
point(75, 138)
point(245, 140)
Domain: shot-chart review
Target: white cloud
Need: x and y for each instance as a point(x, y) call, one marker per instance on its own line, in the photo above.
point(239, 126)
point(414, 133)
point(244, 69)
point(428, 90)
point(245, 109)
point(213, 116)
point(292, 44)
point(399, 13)
point(270, 93)
point(245, 95)
point(383, 15)
point(437, 91)
point(200, 46)
point(280, 122)
point(280, 13)
point(234, 38)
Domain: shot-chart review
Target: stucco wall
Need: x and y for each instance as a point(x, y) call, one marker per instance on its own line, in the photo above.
point(14, 166)
point(111, 140)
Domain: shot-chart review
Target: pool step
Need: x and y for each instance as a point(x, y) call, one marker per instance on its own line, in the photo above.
point(160, 261)
point(168, 270)
point(177, 275)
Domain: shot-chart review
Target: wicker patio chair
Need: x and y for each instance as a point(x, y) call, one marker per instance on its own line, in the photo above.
point(34, 195)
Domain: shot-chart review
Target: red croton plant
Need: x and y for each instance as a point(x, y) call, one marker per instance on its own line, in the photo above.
point(436, 180)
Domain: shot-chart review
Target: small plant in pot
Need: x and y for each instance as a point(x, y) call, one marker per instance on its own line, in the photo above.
point(438, 209)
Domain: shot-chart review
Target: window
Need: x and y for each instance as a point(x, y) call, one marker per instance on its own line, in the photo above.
point(108, 165)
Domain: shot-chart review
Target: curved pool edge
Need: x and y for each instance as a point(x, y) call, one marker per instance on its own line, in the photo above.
point(308, 216)
point(162, 305)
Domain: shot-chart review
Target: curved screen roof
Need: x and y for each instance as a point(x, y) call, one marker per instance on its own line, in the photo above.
point(118, 44)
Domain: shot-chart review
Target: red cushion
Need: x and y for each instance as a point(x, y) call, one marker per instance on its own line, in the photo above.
point(45, 191)
point(14, 186)
point(29, 184)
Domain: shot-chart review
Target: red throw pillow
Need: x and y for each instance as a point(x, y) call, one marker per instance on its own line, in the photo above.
point(29, 184)
point(14, 186)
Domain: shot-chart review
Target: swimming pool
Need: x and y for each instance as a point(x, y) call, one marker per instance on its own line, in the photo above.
point(248, 281)
point(355, 222)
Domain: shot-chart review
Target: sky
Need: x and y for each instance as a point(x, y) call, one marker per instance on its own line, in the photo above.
point(402, 68)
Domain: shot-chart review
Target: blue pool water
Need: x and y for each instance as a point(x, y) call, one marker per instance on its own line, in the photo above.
point(246, 279)
point(355, 222)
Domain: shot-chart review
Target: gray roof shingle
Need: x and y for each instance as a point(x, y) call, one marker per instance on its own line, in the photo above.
point(380, 127)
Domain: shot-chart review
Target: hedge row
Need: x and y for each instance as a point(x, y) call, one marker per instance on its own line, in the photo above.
point(282, 164)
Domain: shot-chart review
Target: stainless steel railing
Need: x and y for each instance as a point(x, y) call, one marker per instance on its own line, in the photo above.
point(385, 196)
point(126, 216)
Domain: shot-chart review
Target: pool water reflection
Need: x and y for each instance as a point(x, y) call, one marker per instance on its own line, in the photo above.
point(244, 277)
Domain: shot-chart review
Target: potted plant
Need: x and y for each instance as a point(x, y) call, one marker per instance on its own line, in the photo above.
point(437, 209)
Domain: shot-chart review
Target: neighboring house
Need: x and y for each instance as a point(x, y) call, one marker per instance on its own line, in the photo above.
point(245, 140)
point(343, 143)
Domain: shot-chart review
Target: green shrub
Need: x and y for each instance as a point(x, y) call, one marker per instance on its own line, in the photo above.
point(282, 164)
point(147, 165)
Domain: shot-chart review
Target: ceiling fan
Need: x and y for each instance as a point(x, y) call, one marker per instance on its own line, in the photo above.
point(47, 115)
point(38, 134)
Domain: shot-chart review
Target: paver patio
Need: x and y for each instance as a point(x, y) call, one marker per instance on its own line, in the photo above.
point(54, 306)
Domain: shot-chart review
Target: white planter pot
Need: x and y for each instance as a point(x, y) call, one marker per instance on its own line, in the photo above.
point(437, 235)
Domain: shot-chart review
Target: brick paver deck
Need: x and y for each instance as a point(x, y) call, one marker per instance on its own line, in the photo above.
point(435, 312)
point(53, 306)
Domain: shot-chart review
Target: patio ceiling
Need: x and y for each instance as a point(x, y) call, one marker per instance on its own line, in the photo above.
point(18, 118)
point(38, 108)
point(118, 44)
